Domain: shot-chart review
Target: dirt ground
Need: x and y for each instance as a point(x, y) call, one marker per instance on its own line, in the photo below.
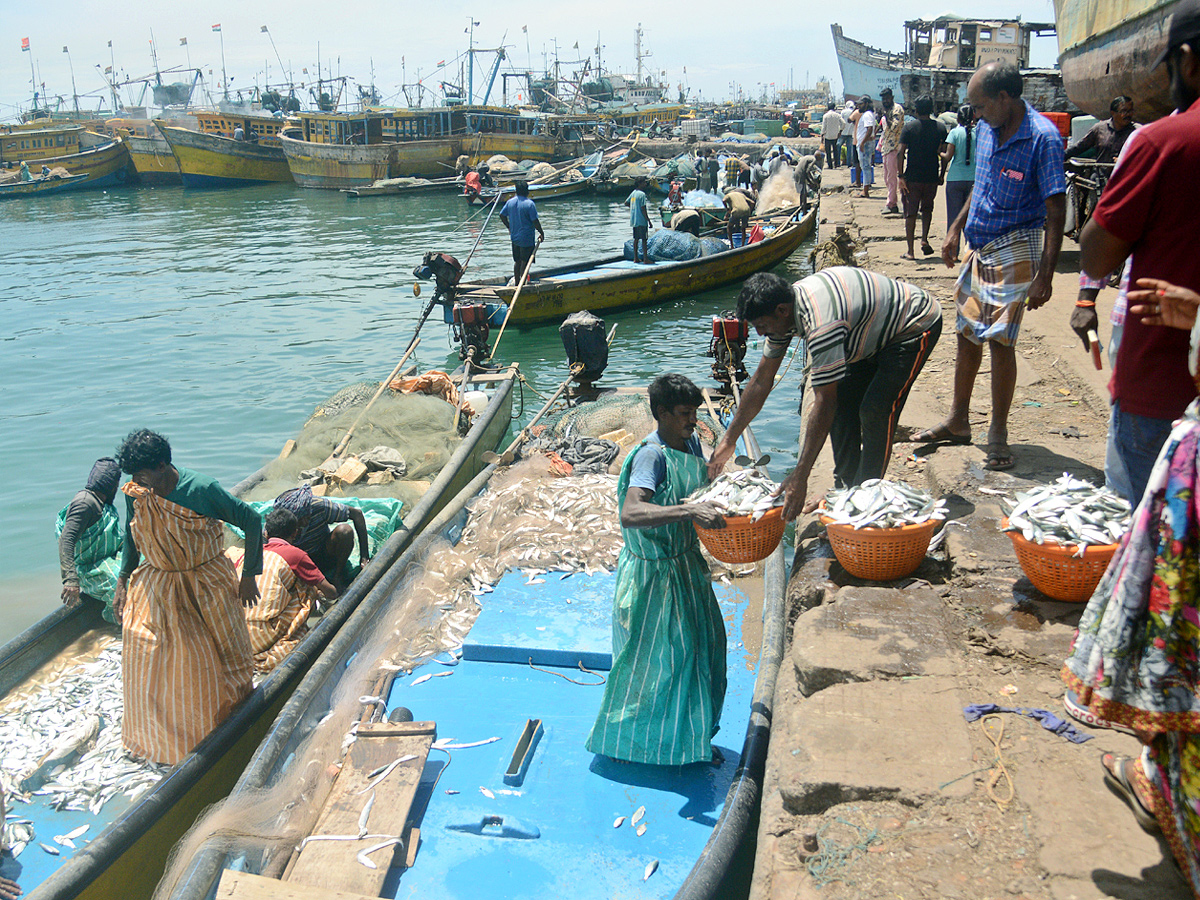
point(877, 785)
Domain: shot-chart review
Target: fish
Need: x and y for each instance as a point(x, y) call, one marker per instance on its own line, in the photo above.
point(651, 868)
point(453, 792)
point(1068, 511)
point(78, 832)
point(877, 503)
point(447, 744)
point(383, 772)
point(53, 851)
point(619, 822)
point(637, 816)
point(362, 854)
point(64, 841)
point(421, 680)
point(641, 829)
point(365, 815)
point(487, 793)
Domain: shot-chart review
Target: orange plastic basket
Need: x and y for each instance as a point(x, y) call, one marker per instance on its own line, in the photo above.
point(880, 554)
point(1057, 572)
point(743, 541)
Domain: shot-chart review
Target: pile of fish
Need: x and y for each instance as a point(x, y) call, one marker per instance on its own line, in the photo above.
point(1069, 511)
point(746, 492)
point(882, 504)
point(63, 741)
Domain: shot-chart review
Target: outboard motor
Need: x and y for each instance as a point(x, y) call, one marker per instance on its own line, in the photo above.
point(586, 343)
point(445, 270)
point(728, 348)
point(471, 331)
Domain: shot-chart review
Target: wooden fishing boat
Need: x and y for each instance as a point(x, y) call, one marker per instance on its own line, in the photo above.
point(149, 151)
point(552, 191)
point(102, 159)
point(618, 283)
point(390, 187)
point(517, 807)
point(1107, 50)
point(126, 847)
point(48, 184)
point(710, 216)
point(214, 160)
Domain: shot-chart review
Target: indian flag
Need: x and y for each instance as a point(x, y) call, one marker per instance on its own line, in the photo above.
point(216, 28)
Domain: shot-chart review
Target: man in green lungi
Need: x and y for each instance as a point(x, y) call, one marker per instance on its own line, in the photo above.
point(89, 539)
point(662, 702)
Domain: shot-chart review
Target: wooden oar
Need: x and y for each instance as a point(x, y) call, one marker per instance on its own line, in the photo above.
point(513, 305)
point(338, 450)
point(462, 390)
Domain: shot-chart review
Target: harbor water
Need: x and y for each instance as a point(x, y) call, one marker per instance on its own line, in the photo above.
point(221, 318)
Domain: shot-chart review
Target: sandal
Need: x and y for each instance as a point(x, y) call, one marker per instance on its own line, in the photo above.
point(940, 434)
point(999, 458)
point(1117, 781)
point(908, 256)
point(1081, 713)
point(926, 248)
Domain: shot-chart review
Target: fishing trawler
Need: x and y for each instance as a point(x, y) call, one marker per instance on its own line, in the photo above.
point(939, 57)
point(211, 157)
point(102, 159)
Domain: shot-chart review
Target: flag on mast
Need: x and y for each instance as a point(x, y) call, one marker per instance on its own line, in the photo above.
point(24, 45)
point(216, 28)
point(183, 42)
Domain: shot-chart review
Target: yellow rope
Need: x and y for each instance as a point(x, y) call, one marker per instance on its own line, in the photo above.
point(999, 772)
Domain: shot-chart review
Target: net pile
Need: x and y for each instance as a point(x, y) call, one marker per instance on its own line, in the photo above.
point(73, 718)
point(778, 191)
point(631, 412)
point(418, 426)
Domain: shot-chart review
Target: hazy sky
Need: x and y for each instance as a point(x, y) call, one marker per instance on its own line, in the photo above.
point(718, 43)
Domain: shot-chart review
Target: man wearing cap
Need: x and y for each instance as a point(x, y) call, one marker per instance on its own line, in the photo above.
point(1149, 210)
point(89, 539)
point(328, 547)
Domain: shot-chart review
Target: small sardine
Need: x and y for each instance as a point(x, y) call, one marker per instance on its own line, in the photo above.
point(487, 793)
point(641, 829)
point(363, 854)
point(53, 851)
point(620, 821)
point(651, 868)
point(78, 831)
point(366, 814)
point(637, 816)
point(421, 680)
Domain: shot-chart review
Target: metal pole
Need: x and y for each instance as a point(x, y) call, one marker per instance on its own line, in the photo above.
point(224, 74)
point(74, 90)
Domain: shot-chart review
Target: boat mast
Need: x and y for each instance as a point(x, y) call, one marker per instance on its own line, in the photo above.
point(32, 74)
point(224, 74)
point(471, 61)
point(74, 90)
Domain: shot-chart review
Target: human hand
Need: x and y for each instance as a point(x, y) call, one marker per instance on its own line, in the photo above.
point(1083, 320)
point(119, 598)
point(950, 248)
point(716, 462)
point(70, 594)
point(903, 186)
point(794, 491)
point(706, 515)
point(248, 590)
point(1159, 302)
point(9, 890)
point(1039, 290)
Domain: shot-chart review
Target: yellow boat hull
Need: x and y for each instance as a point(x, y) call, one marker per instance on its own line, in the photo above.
point(210, 160)
point(344, 166)
point(105, 165)
point(153, 160)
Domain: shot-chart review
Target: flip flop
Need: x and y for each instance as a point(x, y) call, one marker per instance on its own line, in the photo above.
point(908, 256)
point(999, 458)
point(940, 434)
point(1119, 784)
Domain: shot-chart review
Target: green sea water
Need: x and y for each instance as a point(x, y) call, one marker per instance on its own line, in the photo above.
point(221, 318)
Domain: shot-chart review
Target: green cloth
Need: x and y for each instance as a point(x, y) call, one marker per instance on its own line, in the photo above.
point(205, 496)
point(96, 556)
point(662, 702)
point(383, 514)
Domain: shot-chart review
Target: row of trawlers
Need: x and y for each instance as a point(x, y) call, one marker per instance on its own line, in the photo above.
point(330, 150)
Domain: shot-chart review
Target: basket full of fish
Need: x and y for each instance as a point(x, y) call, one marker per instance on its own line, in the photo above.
point(753, 516)
point(880, 530)
point(1065, 534)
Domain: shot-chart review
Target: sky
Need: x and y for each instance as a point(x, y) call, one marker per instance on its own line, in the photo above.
point(713, 49)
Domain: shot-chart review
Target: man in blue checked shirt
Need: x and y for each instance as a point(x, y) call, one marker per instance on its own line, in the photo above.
point(1014, 224)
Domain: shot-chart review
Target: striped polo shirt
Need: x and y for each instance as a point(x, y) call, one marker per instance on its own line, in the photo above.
point(847, 314)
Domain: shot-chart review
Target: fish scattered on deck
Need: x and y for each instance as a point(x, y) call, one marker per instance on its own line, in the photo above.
point(363, 854)
point(619, 822)
point(366, 814)
point(421, 680)
point(651, 868)
point(53, 851)
point(637, 816)
point(877, 503)
point(487, 793)
point(641, 829)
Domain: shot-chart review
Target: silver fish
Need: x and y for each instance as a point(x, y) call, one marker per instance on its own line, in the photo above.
point(366, 814)
point(362, 854)
point(53, 851)
point(619, 822)
point(877, 503)
point(420, 680)
point(78, 831)
point(637, 816)
point(651, 868)
point(641, 829)
point(487, 793)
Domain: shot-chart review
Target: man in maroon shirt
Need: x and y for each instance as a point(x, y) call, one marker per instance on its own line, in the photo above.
point(1149, 210)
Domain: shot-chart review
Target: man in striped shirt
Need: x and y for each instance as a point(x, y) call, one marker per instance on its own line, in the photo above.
point(867, 336)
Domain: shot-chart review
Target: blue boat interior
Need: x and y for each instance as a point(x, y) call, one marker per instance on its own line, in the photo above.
point(541, 652)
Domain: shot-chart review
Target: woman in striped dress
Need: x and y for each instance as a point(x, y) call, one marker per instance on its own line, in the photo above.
point(662, 701)
point(186, 660)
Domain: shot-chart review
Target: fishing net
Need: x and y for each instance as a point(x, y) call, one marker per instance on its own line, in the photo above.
point(703, 200)
point(621, 411)
point(666, 245)
point(541, 171)
point(501, 165)
point(418, 426)
point(680, 166)
point(630, 170)
point(778, 191)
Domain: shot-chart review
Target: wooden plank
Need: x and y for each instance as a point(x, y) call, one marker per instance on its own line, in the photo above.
point(246, 886)
point(334, 865)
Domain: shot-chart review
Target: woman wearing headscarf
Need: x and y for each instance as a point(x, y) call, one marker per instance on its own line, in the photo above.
point(1136, 658)
point(89, 539)
point(186, 660)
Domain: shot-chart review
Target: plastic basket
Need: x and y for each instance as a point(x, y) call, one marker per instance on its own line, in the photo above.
point(743, 541)
point(880, 554)
point(1056, 571)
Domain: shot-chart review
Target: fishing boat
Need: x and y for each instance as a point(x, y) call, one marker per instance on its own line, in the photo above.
point(465, 768)
point(389, 187)
point(102, 159)
point(212, 157)
point(551, 191)
point(618, 283)
point(941, 55)
point(41, 185)
point(127, 840)
point(1108, 50)
point(149, 151)
point(710, 216)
